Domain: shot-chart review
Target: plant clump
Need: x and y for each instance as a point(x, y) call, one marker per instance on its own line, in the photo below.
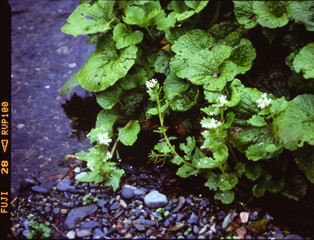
point(155, 61)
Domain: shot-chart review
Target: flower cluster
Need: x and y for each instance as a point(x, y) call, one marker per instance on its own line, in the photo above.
point(103, 138)
point(222, 100)
point(151, 83)
point(210, 123)
point(263, 101)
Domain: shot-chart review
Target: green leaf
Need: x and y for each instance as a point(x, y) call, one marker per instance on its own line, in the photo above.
point(227, 33)
point(69, 85)
point(239, 169)
point(271, 14)
point(186, 170)
point(225, 197)
point(275, 186)
point(106, 119)
point(114, 178)
point(278, 105)
point(105, 66)
point(163, 147)
point(212, 180)
point(186, 100)
point(256, 152)
point(296, 123)
point(302, 11)
point(185, 9)
point(227, 182)
point(244, 13)
point(134, 103)
point(90, 18)
point(258, 190)
point(142, 15)
point(128, 135)
point(253, 172)
point(296, 187)
point(136, 79)
point(189, 146)
point(174, 86)
point(304, 158)
point(152, 111)
point(124, 37)
point(160, 61)
point(257, 121)
point(108, 98)
point(164, 22)
point(304, 61)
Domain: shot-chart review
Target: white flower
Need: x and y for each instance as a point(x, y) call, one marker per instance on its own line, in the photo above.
point(222, 100)
point(151, 83)
point(103, 138)
point(210, 123)
point(263, 101)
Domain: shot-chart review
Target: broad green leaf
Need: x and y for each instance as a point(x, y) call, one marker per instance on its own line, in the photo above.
point(271, 14)
point(296, 123)
point(90, 18)
point(243, 55)
point(244, 13)
point(227, 33)
point(108, 98)
point(152, 111)
point(240, 169)
point(174, 33)
point(69, 85)
point(142, 15)
point(278, 105)
point(106, 118)
point(128, 135)
point(304, 61)
point(274, 186)
point(125, 37)
point(257, 121)
point(186, 170)
point(258, 190)
point(134, 103)
point(136, 79)
point(163, 147)
point(93, 134)
point(225, 197)
point(258, 151)
point(235, 91)
point(174, 86)
point(114, 178)
point(253, 172)
point(185, 9)
point(106, 65)
point(164, 22)
point(227, 182)
point(177, 160)
point(212, 181)
point(160, 61)
point(304, 158)
point(186, 100)
point(302, 11)
point(296, 187)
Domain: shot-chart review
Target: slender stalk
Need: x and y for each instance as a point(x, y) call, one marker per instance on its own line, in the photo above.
point(150, 33)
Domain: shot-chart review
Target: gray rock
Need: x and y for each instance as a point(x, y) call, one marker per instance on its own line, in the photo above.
point(64, 184)
point(155, 199)
point(56, 210)
point(146, 222)
point(294, 237)
point(180, 216)
point(98, 234)
point(127, 193)
point(77, 214)
point(27, 182)
point(25, 233)
point(101, 203)
point(139, 192)
point(179, 205)
point(139, 227)
point(193, 219)
point(114, 206)
point(71, 234)
point(47, 209)
point(196, 229)
point(90, 225)
point(83, 233)
point(166, 223)
point(40, 189)
point(169, 206)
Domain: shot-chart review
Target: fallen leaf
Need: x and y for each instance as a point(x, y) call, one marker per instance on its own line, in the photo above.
point(176, 227)
point(241, 231)
point(120, 228)
point(229, 218)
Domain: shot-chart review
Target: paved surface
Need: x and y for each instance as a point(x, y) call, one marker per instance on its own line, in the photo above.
point(43, 59)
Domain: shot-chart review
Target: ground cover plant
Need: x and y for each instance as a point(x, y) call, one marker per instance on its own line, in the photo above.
point(227, 87)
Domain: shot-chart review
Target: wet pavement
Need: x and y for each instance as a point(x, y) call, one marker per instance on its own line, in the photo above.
point(43, 59)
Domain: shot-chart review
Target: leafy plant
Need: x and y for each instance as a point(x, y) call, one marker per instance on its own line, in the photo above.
point(156, 61)
point(89, 199)
point(38, 230)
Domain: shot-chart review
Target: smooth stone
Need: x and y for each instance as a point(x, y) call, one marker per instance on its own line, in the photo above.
point(25, 233)
point(71, 234)
point(64, 184)
point(27, 182)
point(98, 234)
point(56, 210)
point(90, 225)
point(166, 223)
point(294, 237)
point(101, 203)
point(47, 209)
point(179, 205)
point(180, 216)
point(63, 211)
point(127, 193)
point(155, 199)
point(204, 203)
point(139, 192)
point(146, 222)
point(40, 189)
point(169, 206)
point(83, 233)
point(139, 227)
point(196, 229)
point(193, 219)
point(78, 214)
point(115, 206)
